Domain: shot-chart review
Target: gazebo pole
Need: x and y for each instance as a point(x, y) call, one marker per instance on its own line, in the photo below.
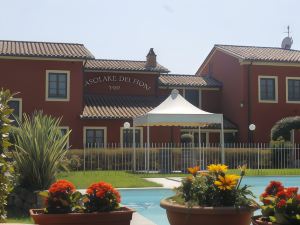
point(134, 150)
point(222, 142)
point(148, 147)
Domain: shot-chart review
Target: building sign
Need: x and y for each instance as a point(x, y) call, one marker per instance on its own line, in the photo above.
point(116, 79)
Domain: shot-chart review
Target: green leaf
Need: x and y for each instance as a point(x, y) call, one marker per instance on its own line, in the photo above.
point(272, 219)
point(44, 194)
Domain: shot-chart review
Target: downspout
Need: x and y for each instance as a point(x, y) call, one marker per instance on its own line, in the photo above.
point(83, 88)
point(250, 133)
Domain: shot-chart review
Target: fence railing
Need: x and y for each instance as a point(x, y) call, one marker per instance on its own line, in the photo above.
point(171, 158)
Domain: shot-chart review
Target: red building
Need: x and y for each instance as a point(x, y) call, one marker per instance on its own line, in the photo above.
point(95, 97)
point(261, 85)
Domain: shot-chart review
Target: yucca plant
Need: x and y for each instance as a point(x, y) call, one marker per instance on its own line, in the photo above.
point(40, 148)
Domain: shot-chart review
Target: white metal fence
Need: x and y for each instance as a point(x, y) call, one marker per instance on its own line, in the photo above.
point(169, 158)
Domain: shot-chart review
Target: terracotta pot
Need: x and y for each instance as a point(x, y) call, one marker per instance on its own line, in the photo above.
point(256, 220)
point(121, 216)
point(182, 215)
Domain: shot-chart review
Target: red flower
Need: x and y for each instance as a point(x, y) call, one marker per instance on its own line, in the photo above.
point(292, 191)
point(274, 187)
point(281, 203)
point(62, 186)
point(101, 189)
point(282, 194)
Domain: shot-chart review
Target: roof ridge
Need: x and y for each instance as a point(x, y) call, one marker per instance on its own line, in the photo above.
point(254, 46)
point(175, 74)
point(45, 42)
point(123, 60)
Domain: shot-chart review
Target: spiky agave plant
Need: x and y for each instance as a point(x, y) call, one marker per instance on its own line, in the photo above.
point(39, 149)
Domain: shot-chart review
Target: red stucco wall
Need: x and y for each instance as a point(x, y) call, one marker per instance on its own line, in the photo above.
point(265, 115)
point(113, 83)
point(28, 77)
point(227, 69)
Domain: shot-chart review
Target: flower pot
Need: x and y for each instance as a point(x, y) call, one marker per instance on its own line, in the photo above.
point(183, 215)
point(121, 216)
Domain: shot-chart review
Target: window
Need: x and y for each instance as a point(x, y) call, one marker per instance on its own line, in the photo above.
point(64, 130)
point(268, 89)
point(95, 136)
point(192, 95)
point(127, 137)
point(293, 89)
point(57, 85)
point(16, 105)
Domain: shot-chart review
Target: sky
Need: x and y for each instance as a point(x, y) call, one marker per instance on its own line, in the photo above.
point(182, 32)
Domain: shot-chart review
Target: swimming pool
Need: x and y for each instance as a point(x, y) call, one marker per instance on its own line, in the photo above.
point(146, 201)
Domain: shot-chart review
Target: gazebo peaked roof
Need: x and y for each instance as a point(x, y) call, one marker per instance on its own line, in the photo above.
point(177, 111)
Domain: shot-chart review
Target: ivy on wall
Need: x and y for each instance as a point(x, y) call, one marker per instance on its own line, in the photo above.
point(282, 128)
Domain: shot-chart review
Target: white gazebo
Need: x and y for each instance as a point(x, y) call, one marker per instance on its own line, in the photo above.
point(177, 111)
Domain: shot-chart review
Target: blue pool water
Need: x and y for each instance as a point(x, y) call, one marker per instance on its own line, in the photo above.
point(146, 201)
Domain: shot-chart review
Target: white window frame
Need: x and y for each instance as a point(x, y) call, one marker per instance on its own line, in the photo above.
point(94, 128)
point(276, 89)
point(131, 128)
point(68, 129)
point(67, 72)
point(287, 89)
point(20, 106)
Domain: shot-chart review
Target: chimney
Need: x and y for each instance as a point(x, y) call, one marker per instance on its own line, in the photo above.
point(151, 59)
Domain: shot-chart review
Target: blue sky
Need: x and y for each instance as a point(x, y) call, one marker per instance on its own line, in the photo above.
point(182, 32)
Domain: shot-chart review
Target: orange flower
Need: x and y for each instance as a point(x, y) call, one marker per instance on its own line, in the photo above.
point(62, 186)
point(101, 189)
point(193, 170)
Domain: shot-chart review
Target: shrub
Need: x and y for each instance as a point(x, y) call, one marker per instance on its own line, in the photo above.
point(5, 168)
point(282, 128)
point(40, 148)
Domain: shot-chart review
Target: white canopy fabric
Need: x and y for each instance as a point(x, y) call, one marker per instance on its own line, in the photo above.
point(177, 111)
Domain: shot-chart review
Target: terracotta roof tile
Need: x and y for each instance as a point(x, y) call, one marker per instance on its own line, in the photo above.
point(115, 107)
point(266, 54)
point(121, 65)
point(44, 49)
point(126, 107)
point(176, 80)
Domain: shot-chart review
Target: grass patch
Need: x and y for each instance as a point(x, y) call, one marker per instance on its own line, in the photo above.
point(27, 220)
point(269, 172)
point(119, 179)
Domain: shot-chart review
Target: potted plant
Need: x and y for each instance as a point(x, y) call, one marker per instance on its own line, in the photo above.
point(64, 205)
point(280, 205)
point(212, 197)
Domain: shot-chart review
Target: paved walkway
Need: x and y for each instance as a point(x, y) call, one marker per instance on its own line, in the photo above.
point(169, 182)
